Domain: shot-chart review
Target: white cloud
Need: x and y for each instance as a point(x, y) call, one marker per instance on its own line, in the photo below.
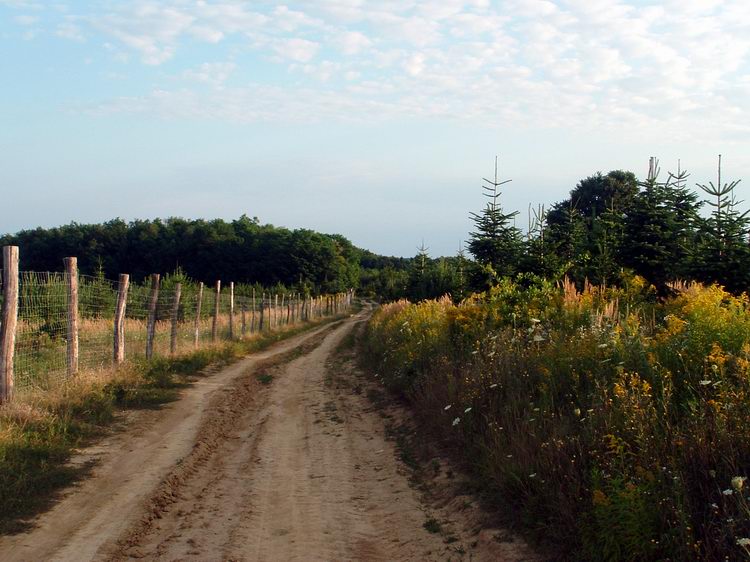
point(571, 63)
point(415, 64)
point(70, 30)
point(296, 49)
point(352, 42)
point(214, 73)
point(291, 20)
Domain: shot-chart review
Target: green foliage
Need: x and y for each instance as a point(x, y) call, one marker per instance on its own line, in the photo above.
point(660, 230)
point(496, 242)
point(613, 426)
point(243, 251)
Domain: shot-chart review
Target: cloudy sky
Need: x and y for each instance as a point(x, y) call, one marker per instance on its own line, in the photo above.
point(376, 120)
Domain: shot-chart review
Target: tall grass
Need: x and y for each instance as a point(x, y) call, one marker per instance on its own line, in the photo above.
point(608, 424)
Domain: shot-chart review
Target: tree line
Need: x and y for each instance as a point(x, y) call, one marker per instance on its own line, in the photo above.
point(610, 227)
point(241, 250)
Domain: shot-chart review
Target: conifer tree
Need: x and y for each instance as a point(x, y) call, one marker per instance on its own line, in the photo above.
point(723, 254)
point(660, 226)
point(496, 243)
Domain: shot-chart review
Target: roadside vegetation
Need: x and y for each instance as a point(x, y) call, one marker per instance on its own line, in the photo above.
point(607, 423)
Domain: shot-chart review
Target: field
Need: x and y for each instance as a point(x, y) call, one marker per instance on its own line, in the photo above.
point(42, 332)
point(608, 423)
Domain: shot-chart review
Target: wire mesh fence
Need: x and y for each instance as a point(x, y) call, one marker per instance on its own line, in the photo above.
point(185, 316)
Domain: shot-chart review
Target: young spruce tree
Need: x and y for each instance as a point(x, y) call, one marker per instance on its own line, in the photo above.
point(659, 229)
point(496, 243)
point(723, 252)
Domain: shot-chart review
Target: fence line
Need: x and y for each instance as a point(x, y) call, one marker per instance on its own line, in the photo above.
point(55, 325)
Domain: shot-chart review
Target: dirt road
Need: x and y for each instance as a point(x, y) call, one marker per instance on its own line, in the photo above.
point(278, 457)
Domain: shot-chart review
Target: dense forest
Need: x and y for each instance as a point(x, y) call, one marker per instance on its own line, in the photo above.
point(242, 250)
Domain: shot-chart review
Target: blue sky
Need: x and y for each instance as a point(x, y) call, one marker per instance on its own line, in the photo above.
point(375, 120)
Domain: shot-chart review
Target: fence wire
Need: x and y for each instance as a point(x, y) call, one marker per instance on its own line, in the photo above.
point(41, 332)
point(41, 350)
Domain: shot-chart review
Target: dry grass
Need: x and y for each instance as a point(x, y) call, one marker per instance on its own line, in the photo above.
point(604, 422)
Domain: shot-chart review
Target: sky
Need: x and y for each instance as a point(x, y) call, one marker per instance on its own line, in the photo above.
point(375, 120)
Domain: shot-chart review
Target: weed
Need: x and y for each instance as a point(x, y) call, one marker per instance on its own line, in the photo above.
point(602, 421)
point(432, 525)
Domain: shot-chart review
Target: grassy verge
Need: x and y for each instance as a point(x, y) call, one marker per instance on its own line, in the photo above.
point(607, 424)
point(39, 431)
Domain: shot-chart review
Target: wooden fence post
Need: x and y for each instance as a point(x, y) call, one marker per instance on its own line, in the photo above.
point(175, 314)
point(276, 311)
point(288, 310)
point(231, 310)
point(9, 321)
point(151, 326)
point(197, 335)
point(252, 319)
point(262, 312)
point(71, 270)
point(217, 304)
point(122, 302)
point(243, 309)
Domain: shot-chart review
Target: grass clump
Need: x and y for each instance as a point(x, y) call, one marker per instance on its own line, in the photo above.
point(432, 525)
point(611, 425)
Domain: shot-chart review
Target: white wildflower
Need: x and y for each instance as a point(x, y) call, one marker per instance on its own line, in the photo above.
point(532, 475)
point(467, 410)
point(705, 382)
point(602, 345)
point(538, 337)
point(535, 320)
point(448, 407)
point(728, 492)
point(493, 385)
point(744, 542)
point(456, 421)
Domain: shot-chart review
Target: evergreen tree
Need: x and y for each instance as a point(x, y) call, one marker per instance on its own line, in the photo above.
point(723, 254)
point(566, 236)
point(659, 229)
point(496, 243)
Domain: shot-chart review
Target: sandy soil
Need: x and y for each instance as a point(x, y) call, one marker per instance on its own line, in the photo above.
point(278, 457)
